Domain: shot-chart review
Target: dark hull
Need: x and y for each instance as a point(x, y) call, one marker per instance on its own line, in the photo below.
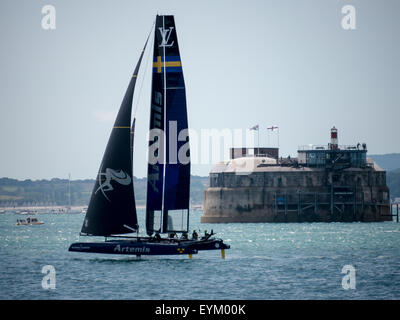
point(209, 244)
point(137, 248)
point(149, 246)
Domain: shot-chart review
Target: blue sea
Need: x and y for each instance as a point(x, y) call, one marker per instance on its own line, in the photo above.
point(266, 261)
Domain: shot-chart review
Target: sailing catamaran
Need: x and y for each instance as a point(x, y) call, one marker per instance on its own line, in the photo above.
point(112, 211)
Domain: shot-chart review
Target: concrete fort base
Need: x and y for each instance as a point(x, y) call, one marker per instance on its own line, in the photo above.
point(258, 204)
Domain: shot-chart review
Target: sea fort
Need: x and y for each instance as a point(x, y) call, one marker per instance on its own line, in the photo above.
point(324, 183)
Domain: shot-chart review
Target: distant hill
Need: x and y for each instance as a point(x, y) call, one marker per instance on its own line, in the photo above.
point(391, 163)
point(43, 192)
point(388, 162)
point(54, 192)
point(393, 182)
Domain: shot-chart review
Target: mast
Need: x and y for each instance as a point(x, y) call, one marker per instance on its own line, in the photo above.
point(164, 219)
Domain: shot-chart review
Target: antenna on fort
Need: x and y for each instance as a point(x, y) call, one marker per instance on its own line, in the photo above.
point(278, 136)
point(272, 128)
point(257, 127)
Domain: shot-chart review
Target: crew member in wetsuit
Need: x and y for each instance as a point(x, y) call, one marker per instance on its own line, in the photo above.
point(195, 236)
point(172, 235)
point(157, 236)
point(206, 235)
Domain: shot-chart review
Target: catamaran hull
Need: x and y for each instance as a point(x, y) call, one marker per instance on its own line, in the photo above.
point(211, 244)
point(132, 248)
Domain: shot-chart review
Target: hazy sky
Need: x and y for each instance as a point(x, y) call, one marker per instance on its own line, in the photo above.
point(285, 63)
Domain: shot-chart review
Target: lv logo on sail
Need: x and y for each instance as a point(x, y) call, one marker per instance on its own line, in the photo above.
point(119, 176)
point(165, 34)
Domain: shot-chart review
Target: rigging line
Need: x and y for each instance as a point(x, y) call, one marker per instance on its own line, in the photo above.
point(144, 75)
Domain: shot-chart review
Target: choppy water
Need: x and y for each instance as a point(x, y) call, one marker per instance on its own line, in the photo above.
point(266, 261)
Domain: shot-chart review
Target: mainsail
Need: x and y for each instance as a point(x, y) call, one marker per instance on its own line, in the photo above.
point(168, 174)
point(112, 208)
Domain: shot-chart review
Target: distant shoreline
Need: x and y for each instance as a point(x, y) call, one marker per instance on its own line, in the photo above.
point(50, 208)
point(63, 209)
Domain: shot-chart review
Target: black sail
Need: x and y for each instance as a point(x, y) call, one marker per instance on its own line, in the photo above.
point(112, 208)
point(168, 180)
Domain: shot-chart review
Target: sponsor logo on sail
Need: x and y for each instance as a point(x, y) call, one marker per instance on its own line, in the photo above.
point(119, 176)
point(165, 34)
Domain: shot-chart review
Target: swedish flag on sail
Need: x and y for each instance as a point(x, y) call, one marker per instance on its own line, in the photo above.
point(172, 64)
